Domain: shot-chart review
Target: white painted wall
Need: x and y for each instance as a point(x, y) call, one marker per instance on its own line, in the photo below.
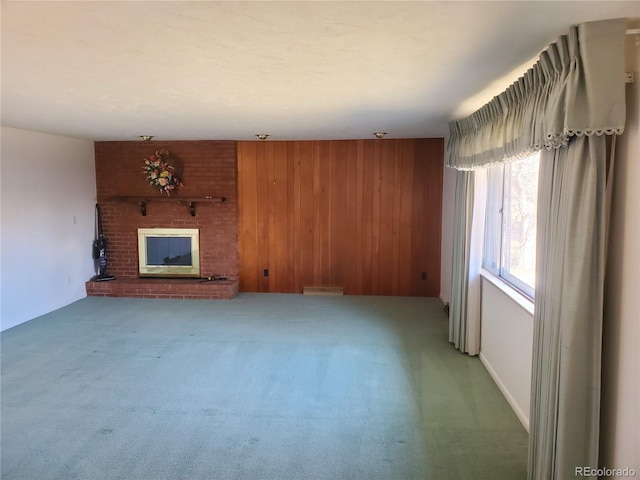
point(620, 414)
point(506, 346)
point(46, 182)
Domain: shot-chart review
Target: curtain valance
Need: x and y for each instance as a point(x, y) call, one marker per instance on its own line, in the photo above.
point(576, 88)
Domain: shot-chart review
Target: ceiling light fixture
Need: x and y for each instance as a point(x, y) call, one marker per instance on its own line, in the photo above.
point(146, 138)
point(379, 134)
point(262, 136)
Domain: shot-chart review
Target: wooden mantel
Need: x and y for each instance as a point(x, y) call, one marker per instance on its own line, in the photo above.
point(190, 201)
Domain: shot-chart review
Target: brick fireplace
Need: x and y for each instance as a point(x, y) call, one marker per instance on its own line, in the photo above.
point(209, 170)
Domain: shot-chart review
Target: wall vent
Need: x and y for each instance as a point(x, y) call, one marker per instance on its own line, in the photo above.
point(322, 291)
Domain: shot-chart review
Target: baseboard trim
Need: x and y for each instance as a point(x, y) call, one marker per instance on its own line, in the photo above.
point(524, 419)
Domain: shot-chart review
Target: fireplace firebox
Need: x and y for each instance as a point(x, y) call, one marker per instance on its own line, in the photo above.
point(169, 252)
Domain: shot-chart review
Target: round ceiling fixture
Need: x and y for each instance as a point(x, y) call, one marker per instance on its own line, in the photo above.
point(146, 138)
point(379, 134)
point(262, 136)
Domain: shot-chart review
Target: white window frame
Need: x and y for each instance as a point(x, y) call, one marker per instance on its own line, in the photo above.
point(495, 251)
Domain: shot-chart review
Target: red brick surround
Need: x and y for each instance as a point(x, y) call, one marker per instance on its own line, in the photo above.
point(164, 288)
point(209, 169)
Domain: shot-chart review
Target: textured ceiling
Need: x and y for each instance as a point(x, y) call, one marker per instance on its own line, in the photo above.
point(295, 70)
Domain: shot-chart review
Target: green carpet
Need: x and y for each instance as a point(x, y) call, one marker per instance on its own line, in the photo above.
point(264, 387)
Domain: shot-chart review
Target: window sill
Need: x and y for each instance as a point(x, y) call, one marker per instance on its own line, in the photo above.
point(525, 302)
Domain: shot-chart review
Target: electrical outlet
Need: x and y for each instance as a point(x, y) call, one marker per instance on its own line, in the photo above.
point(265, 272)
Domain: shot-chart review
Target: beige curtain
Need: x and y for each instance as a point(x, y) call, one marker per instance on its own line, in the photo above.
point(462, 222)
point(567, 344)
point(469, 210)
point(563, 106)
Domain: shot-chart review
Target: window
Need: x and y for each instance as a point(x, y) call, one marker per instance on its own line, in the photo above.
point(510, 223)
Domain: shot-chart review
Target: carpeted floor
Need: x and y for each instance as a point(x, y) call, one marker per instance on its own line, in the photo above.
point(263, 387)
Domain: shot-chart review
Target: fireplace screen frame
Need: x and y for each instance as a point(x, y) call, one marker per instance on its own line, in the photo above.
point(186, 271)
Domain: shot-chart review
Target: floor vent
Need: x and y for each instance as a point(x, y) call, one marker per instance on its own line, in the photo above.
point(322, 291)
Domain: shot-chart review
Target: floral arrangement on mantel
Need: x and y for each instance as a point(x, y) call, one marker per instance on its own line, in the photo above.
point(160, 173)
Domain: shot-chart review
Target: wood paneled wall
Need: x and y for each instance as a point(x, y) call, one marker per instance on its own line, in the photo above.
point(364, 215)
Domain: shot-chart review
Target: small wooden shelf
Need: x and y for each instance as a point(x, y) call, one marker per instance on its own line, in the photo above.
point(189, 201)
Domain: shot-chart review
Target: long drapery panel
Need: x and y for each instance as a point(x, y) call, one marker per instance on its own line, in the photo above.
point(565, 403)
point(462, 218)
point(563, 106)
point(464, 312)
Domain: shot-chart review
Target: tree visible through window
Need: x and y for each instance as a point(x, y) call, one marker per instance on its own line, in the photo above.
point(510, 223)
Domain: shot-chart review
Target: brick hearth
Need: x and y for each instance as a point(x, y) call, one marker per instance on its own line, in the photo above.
point(164, 288)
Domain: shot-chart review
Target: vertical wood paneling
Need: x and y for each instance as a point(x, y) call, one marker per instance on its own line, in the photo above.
point(405, 273)
point(324, 213)
point(433, 196)
point(339, 207)
point(317, 214)
point(376, 189)
point(293, 219)
point(364, 218)
point(361, 214)
point(262, 219)
point(281, 217)
point(418, 225)
point(385, 228)
point(271, 232)
point(359, 220)
point(353, 214)
point(307, 216)
point(247, 236)
point(397, 210)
